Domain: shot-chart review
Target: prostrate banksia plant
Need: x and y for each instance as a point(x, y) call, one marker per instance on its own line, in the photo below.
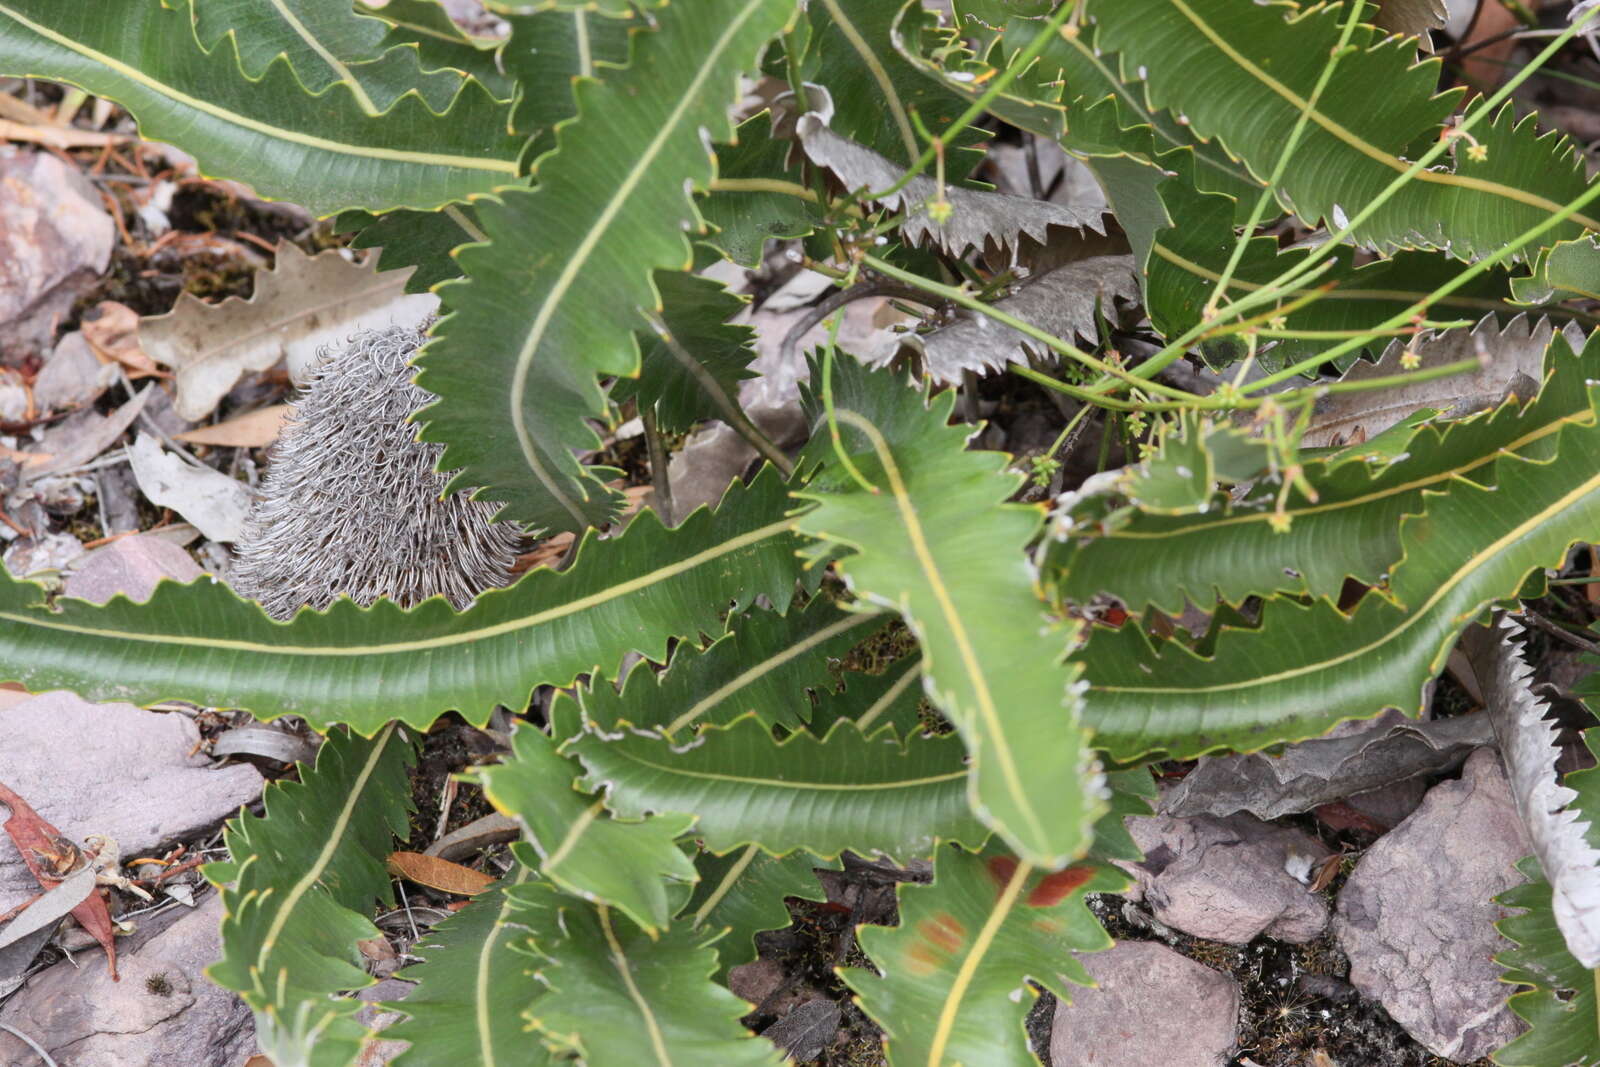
point(351, 503)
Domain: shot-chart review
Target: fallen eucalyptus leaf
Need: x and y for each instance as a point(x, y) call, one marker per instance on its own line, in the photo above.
point(78, 440)
point(257, 429)
point(1062, 303)
point(52, 905)
point(1312, 773)
point(1529, 746)
point(302, 304)
point(491, 829)
point(976, 220)
point(209, 499)
point(436, 873)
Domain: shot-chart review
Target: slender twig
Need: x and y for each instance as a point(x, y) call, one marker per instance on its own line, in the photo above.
point(658, 463)
point(730, 412)
point(838, 299)
point(1539, 622)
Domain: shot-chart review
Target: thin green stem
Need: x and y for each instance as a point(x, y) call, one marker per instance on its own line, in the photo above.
point(1050, 340)
point(1317, 260)
point(1220, 290)
point(1482, 265)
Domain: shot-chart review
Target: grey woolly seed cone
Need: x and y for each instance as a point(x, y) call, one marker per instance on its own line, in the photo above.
point(351, 502)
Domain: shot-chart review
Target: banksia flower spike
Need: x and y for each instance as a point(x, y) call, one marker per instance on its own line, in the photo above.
point(351, 503)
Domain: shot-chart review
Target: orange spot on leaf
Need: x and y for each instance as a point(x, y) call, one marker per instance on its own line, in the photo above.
point(1053, 887)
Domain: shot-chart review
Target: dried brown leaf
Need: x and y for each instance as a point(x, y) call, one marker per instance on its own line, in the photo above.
point(257, 429)
point(436, 873)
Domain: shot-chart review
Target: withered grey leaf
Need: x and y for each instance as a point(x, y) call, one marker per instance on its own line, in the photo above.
point(1317, 772)
point(1061, 303)
point(302, 304)
point(261, 739)
point(1513, 362)
point(806, 1031)
point(1528, 750)
point(978, 220)
point(52, 905)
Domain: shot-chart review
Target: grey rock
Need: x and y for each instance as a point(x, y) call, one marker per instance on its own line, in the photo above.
point(1416, 917)
point(1152, 1005)
point(55, 239)
point(131, 566)
point(73, 376)
point(114, 770)
point(1227, 879)
point(164, 1012)
point(757, 980)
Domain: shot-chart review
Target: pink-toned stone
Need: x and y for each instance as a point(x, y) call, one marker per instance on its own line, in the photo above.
point(164, 1012)
point(114, 770)
point(1152, 1006)
point(1417, 917)
point(55, 239)
point(1228, 879)
point(131, 566)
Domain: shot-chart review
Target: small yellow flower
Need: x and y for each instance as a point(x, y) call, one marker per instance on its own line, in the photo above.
point(1280, 521)
point(940, 210)
point(1409, 360)
point(1478, 153)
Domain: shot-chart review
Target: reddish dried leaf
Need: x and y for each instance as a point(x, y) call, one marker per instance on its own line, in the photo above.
point(439, 874)
point(1341, 816)
point(44, 849)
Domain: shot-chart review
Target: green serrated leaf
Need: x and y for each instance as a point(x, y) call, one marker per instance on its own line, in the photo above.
point(298, 891)
point(875, 89)
point(324, 43)
point(1187, 261)
point(954, 987)
point(321, 151)
point(695, 312)
point(548, 49)
point(421, 239)
point(970, 601)
point(610, 861)
point(1350, 530)
point(1562, 1008)
point(425, 25)
point(1202, 57)
point(846, 790)
point(1309, 667)
point(366, 666)
point(517, 361)
point(764, 664)
point(619, 995)
point(743, 893)
point(1569, 270)
point(466, 1010)
point(755, 196)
